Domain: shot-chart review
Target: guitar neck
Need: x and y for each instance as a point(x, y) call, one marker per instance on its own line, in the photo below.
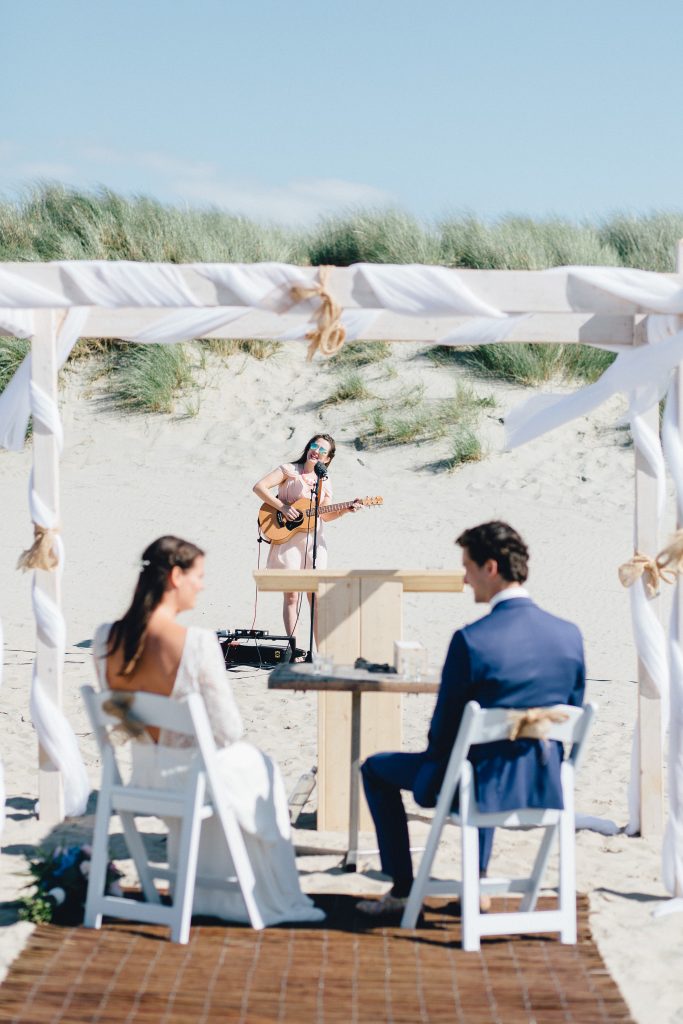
point(324, 509)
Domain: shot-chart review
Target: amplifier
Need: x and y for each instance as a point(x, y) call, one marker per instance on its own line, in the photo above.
point(255, 647)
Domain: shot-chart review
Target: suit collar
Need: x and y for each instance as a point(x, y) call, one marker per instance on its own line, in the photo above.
point(518, 602)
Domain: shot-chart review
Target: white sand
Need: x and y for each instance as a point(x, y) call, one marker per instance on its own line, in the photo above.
point(127, 480)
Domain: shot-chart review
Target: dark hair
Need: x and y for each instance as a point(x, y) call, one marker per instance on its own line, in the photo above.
point(497, 540)
point(157, 561)
point(325, 437)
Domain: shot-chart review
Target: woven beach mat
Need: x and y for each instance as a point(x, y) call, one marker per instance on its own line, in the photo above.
point(344, 971)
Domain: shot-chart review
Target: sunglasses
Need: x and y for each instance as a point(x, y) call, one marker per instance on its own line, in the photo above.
point(318, 448)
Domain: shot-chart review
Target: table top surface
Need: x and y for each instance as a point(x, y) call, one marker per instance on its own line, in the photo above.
point(346, 678)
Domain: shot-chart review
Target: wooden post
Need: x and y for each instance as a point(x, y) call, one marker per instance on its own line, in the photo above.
point(649, 707)
point(360, 616)
point(49, 661)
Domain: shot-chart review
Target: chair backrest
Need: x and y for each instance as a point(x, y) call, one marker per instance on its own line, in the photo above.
point(491, 724)
point(488, 725)
point(187, 717)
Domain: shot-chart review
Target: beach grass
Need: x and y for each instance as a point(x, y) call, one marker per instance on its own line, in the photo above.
point(408, 417)
point(521, 243)
point(648, 242)
point(55, 222)
point(150, 378)
point(12, 354)
point(465, 446)
point(525, 364)
point(258, 348)
point(360, 353)
point(372, 236)
point(349, 388)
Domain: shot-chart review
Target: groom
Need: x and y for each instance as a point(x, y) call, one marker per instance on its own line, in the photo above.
point(517, 656)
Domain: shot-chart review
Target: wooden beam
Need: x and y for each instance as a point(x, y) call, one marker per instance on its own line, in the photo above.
point(46, 482)
point(416, 581)
point(511, 291)
point(560, 328)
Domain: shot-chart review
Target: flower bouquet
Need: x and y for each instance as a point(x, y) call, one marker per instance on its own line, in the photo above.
point(60, 882)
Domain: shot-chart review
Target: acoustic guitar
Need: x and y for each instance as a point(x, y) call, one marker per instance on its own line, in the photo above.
point(276, 528)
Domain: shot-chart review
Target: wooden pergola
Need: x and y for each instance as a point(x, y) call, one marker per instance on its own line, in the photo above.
point(555, 309)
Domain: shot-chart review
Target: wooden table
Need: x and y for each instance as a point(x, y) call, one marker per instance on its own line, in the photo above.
point(360, 612)
point(346, 679)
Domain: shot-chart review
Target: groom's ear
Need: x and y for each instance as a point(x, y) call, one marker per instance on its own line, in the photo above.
point(491, 567)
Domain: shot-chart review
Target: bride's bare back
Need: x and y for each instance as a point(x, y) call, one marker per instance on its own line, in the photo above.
point(156, 668)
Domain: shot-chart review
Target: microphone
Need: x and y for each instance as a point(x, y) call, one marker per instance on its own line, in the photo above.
point(320, 470)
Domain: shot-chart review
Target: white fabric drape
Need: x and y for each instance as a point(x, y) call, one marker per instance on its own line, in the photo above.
point(2, 770)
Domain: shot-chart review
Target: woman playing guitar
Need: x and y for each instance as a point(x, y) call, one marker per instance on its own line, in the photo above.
point(294, 481)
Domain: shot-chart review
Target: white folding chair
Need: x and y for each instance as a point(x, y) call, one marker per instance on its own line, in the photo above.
point(485, 726)
point(197, 798)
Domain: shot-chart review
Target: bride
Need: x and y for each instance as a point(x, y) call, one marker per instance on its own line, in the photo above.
point(149, 650)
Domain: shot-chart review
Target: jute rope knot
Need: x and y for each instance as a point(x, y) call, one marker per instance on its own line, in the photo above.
point(330, 334)
point(41, 554)
point(664, 568)
point(534, 723)
point(119, 706)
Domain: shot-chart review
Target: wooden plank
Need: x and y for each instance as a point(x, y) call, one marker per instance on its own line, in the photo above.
point(437, 581)
point(649, 708)
point(559, 328)
point(339, 632)
point(512, 291)
point(46, 482)
point(381, 622)
point(344, 678)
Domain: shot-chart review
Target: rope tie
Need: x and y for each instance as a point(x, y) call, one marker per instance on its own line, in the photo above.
point(667, 565)
point(41, 554)
point(329, 335)
point(119, 706)
point(534, 723)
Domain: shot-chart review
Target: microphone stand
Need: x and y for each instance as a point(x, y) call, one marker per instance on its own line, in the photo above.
point(318, 489)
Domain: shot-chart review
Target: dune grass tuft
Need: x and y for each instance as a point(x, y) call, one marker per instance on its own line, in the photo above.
point(12, 354)
point(464, 447)
point(407, 417)
point(526, 364)
point(258, 348)
point(360, 353)
point(349, 388)
point(372, 236)
point(149, 378)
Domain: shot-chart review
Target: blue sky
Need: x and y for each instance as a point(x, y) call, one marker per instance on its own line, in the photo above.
point(289, 111)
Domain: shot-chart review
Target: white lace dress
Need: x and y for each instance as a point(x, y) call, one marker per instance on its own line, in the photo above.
point(253, 787)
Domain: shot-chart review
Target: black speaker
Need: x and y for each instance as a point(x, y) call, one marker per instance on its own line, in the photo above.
point(255, 647)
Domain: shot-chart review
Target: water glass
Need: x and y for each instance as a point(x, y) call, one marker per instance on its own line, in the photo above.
point(323, 664)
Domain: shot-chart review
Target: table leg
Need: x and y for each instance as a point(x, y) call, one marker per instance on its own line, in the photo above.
point(354, 791)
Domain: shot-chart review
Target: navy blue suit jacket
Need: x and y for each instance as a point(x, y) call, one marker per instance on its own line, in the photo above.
point(517, 656)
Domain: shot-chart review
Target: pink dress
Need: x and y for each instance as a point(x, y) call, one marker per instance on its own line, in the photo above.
point(297, 552)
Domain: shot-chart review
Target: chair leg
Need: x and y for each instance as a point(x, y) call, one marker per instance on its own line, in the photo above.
point(469, 900)
point(538, 871)
point(245, 874)
point(568, 877)
point(98, 862)
point(188, 853)
point(418, 889)
point(137, 851)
